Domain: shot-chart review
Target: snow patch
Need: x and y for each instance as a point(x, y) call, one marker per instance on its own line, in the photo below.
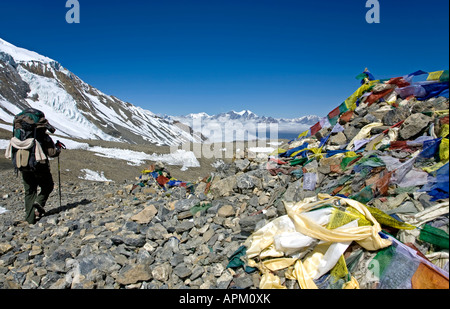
point(261, 149)
point(4, 143)
point(275, 143)
point(133, 158)
point(70, 144)
point(11, 108)
point(183, 158)
point(180, 157)
point(93, 176)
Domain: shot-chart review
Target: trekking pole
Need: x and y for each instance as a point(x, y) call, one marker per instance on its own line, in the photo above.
point(59, 182)
point(62, 146)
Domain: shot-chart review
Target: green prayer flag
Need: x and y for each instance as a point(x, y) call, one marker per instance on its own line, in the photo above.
point(434, 236)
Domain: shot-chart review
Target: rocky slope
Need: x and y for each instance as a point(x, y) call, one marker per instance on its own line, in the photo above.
point(391, 155)
point(104, 237)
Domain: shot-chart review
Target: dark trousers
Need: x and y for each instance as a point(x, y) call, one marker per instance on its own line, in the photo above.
point(31, 182)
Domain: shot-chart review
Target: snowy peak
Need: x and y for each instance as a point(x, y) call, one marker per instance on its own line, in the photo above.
point(309, 119)
point(21, 54)
point(244, 115)
point(244, 112)
point(197, 115)
point(75, 108)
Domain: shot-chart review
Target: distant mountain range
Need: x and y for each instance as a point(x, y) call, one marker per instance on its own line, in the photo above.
point(232, 120)
point(247, 115)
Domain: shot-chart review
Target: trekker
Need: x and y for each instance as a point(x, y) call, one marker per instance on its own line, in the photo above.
point(30, 150)
point(41, 177)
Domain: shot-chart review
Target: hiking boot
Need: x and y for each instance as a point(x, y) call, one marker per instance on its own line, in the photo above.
point(20, 223)
point(40, 211)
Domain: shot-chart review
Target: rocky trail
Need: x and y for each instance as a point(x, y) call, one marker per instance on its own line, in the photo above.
point(103, 237)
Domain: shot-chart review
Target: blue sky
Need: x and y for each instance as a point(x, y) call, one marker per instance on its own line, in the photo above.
point(280, 58)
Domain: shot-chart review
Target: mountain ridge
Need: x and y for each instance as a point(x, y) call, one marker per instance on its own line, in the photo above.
point(75, 108)
point(247, 115)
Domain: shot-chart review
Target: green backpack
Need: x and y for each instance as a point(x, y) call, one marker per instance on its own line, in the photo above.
point(30, 123)
point(27, 123)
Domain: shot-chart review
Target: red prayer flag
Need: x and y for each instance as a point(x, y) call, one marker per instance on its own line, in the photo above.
point(334, 113)
point(315, 128)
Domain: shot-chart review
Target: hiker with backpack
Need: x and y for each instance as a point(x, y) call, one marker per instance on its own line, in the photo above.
point(30, 149)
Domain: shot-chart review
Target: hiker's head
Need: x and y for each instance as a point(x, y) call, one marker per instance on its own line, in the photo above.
point(45, 125)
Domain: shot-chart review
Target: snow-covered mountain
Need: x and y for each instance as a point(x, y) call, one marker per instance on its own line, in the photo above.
point(220, 127)
point(74, 108)
point(247, 115)
point(244, 115)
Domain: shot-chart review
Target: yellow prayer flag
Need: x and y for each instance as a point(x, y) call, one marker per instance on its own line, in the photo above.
point(277, 151)
point(444, 130)
point(443, 150)
point(303, 134)
point(435, 75)
point(351, 101)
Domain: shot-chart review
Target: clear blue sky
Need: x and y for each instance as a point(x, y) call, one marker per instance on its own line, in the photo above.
point(281, 58)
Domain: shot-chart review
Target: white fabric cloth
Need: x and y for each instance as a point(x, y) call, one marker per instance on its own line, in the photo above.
point(26, 144)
